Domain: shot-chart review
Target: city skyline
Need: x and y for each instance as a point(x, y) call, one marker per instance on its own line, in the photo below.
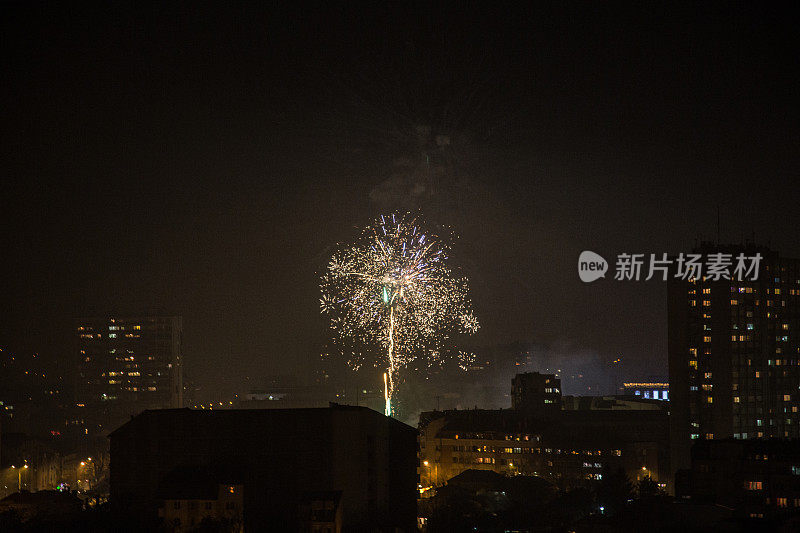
point(208, 169)
point(399, 266)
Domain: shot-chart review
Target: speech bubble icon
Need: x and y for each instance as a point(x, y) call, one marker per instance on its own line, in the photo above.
point(591, 266)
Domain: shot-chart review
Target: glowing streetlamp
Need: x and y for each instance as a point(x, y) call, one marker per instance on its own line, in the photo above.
point(81, 473)
point(19, 475)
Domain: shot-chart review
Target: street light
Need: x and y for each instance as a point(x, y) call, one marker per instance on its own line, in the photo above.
point(19, 476)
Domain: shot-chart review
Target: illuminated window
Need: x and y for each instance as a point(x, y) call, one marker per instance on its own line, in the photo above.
point(753, 485)
point(706, 303)
point(787, 397)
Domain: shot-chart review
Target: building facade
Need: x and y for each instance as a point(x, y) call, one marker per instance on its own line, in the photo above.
point(759, 478)
point(536, 393)
point(570, 448)
point(192, 504)
point(648, 390)
point(451, 442)
point(135, 361)
point(734, 354)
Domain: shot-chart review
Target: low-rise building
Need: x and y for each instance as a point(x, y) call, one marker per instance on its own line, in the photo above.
point(649, 390)
point(570, 449)
point(189, 497)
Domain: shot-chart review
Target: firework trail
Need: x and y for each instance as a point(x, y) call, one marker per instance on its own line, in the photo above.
point(392, 292)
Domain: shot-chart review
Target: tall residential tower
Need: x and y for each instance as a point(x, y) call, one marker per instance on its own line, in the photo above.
point(135, 362)
point(734, 353)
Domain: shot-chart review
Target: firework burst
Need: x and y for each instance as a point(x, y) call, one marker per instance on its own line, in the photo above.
point(392, 293)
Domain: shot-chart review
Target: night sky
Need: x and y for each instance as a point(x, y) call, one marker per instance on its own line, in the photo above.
point(206, 159)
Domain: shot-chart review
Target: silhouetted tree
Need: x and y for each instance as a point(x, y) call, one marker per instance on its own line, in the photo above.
point(614, 491)
point(647, 489)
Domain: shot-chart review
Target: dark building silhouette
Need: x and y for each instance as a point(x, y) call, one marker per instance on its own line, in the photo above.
point(41, 506)
point(619, 402)
point(759, 478)
point(282, 458)
point(734, 354)
point(536, 393)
